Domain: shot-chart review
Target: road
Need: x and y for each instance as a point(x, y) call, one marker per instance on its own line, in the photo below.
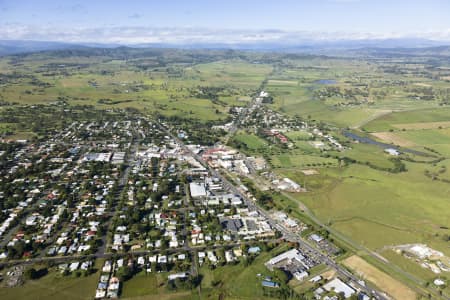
point(418, 283)
point(130, 162)
point(60, 259)
point(275, 224)
point(360, 248)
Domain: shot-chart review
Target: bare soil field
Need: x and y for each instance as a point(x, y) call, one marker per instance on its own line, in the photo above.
point(393, 287)
point(390, 137)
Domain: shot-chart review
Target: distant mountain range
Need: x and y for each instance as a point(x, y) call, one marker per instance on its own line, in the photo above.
point(8, 47)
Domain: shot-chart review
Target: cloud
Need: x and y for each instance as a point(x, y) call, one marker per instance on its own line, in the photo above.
point(76, 7)
point(135, 16)
point(189, 35)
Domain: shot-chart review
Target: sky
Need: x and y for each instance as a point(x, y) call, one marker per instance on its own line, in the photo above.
point(233, 21)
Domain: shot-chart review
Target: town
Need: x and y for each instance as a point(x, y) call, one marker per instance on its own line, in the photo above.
point(127, 195)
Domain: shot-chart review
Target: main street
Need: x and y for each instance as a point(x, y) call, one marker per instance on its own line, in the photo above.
point(287, 233)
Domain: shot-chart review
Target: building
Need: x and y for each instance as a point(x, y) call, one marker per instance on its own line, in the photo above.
point(197, 190)
point(178, 275)
point(392, 151)
point(288, 256)
point(338, 286)
point(270, 284)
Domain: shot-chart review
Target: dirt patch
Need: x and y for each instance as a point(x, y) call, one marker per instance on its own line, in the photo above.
point(310, 172)
point(282, 82)
point(328, 275)
point(390, 137)
point(385, 282)
point(422, 84)
point(423, 125)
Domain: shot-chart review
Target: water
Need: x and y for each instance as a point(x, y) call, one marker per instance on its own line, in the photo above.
point(367, 140)
point(325, 81)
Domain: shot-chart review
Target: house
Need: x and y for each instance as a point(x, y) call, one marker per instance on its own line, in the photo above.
point(141, 261)
point(107, 267)
point(229, 257)
point(300, 275)
point(100, 294)
point(212, 257)
point(85, 265)
point(162, 259)
point(178, 275)
point(254, 250)
point(74, 266)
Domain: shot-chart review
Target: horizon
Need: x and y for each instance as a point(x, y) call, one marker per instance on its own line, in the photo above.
point(176, 22)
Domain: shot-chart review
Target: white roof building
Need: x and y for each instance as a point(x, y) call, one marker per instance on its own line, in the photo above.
point(197, 190)
point(338, 286)
point(392, 151)
point(288, 255)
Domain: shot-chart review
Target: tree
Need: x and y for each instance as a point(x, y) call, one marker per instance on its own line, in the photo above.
point(31, 273)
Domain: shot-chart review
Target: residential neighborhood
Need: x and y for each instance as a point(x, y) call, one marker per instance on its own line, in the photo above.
point(129, 195)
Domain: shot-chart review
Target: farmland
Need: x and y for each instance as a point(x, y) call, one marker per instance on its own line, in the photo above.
point(375, 199)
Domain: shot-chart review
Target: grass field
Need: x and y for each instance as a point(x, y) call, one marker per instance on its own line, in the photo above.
point(376, 208)
point(168, 296)
point(251, 141)
point(365, 153)
point(380, 279)
point(171, 91)
point(423, 125)
point(151, 286)
point(231, 281)
point(415, 118)
point(437, 139)
point(237, 281)
point(298, 135)
point(54, 287)
point(408, 265)
point(301, 161)
point(427, 137)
